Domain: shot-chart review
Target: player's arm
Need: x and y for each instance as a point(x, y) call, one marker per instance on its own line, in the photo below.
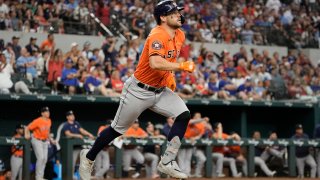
point(86, 133)
point(72, 135)
point(26, 132)
point(159, 63)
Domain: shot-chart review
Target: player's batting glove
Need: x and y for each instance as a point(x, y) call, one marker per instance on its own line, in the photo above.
point(187, 66)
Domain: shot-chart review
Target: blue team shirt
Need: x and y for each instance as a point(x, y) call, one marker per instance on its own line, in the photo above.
point(73, 128)
point(301, 151)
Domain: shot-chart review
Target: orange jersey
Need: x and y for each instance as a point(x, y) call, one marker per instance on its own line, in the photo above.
point(159, 43)
point(15, 149)
point(202, 127)
point(40, 127)
point(101, 128)
point(219, 149)
point(192, 131)
point(135, 132)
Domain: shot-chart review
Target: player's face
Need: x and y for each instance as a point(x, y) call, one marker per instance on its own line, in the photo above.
point(174, 20)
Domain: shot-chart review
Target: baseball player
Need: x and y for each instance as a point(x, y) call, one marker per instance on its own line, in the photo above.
point(316, 135)
point(17, 152)
point(132, 152)
point(147, 89)
point(303, 155)
point(73, 129)
point(40, 128)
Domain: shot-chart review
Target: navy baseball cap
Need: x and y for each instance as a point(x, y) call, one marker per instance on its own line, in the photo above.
point(20, 126)
point(44, 109)
point(299, 126)
point(68, 113)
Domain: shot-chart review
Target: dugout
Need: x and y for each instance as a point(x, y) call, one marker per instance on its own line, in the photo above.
point(92, 111)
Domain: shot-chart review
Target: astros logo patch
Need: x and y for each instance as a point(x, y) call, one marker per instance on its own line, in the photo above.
point(156, 45)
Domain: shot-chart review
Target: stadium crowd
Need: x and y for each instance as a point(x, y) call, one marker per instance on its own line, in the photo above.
point(293, 23)
point(247, 74)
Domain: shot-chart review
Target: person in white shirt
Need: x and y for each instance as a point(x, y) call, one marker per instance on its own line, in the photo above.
point(273, 4)
point(5, 75)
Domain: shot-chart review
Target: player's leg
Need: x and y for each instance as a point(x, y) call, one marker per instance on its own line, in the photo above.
point(262, 164)
point(133, 101)
point(312, 164)
point(15, 166)
point(201, 159)
point(218, 161)
point(126, 162)
point(75, 154)
point(318, 162)
point(170, 104)
point(39, 153)
point(98, 165)
point(139, 158)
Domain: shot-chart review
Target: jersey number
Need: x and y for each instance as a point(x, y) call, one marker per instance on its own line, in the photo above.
point(170, 54)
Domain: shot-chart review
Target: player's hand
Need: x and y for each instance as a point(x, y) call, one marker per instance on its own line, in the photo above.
point(187, 66)
point(172, 84)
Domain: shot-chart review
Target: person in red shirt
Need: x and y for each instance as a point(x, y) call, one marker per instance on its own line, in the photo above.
point(116, 82)
point(40, 128)
point(55, 66)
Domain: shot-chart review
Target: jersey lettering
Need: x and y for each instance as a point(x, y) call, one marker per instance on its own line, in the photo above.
point(170, 54)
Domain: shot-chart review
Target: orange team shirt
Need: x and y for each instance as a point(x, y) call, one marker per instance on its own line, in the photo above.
point(193, 130)
point(135, 132)
point(158, 42)
point(46, 44)
point(219, 149)
point(15, 149)
point(101, 128)
point(40, 128)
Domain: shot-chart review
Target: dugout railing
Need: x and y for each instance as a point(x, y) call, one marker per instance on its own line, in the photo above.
point(67, 147)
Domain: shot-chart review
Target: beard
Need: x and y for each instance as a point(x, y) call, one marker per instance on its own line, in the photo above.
point(174, 24)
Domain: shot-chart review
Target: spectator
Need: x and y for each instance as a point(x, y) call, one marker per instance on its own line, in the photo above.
point(48, 44)
point(5, 75)
point(116, 82)
point(10, 55)
point(32, 46)
point(26, 65)
point(69, 77)
point(4, 11)
point(55, 66)
point(15, 46)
